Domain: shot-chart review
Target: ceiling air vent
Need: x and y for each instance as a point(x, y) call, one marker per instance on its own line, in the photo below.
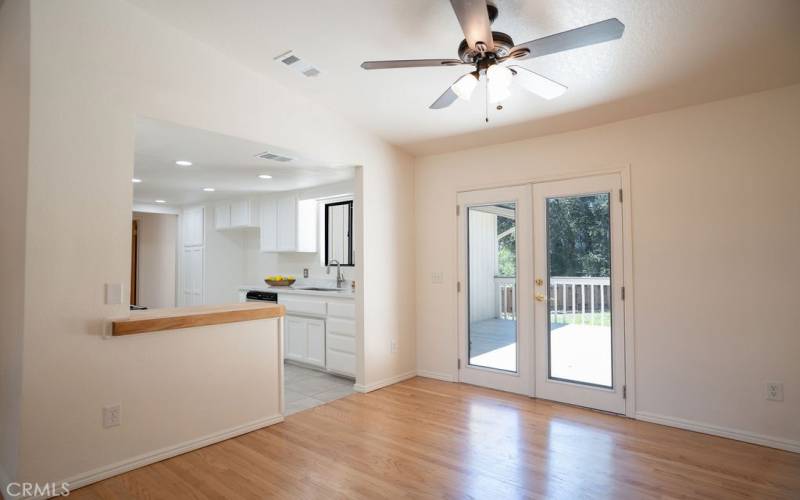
point(266, 155)
point(292, 61)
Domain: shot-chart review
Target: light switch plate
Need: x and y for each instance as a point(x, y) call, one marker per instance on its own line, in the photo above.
point(113, 293)
point(437, 277)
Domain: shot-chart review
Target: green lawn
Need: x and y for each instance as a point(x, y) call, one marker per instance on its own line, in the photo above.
point(595, 319)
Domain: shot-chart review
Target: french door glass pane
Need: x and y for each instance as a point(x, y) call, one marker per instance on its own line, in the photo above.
point(492, 279)
point(579, 285)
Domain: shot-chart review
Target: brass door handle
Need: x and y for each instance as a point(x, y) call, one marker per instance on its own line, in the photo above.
point(539, 297)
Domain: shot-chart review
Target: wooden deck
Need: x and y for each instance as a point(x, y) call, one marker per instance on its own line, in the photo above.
point(425, 438)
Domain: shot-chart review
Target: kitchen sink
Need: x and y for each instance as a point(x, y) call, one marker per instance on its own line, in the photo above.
point(319, 289)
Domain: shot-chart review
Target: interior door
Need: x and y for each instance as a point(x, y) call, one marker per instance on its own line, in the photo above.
point(495, 332)
point(579, 317)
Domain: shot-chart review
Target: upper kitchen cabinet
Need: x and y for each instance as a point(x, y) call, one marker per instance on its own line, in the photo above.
point(288, 224)
point(236, 214)
point(192, 226)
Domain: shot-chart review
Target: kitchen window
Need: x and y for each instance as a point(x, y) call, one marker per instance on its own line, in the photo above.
point(339, 232)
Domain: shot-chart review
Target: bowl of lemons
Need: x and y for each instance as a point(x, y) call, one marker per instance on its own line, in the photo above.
point(279, 280)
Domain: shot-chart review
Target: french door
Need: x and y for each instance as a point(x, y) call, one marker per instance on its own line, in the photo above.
point(540, 304)
point(578, 312)
point(495, 323)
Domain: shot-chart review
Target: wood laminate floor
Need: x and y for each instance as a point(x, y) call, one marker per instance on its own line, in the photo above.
point(424, 438)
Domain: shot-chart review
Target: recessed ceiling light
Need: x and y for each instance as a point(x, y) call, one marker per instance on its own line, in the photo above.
point(136, 181)
point(265, 176)
point(161, 201)
point(183, 163)
point(210, 190)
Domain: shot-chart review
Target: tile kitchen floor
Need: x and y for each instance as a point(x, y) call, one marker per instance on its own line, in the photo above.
point(305, 388)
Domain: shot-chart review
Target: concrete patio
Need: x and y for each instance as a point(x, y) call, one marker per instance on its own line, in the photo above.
point(579, 353)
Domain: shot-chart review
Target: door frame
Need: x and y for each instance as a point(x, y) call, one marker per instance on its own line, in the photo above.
point(627, 264)
point(521, 381)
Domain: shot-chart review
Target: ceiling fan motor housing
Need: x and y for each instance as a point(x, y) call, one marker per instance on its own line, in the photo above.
point(502, 48)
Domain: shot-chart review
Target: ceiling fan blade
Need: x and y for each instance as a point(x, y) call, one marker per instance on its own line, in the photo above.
point(473, 16)
point(410, 63)
point(445, 100)
point(537, 84)
point(603, 31)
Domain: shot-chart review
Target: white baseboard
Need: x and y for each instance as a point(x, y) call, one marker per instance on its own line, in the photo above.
point(436, 375)
point(714, 430)
point(385, 382)
point(107, 471)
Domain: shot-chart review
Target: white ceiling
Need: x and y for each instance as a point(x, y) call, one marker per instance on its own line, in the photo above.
point(674, 53)
point(227, 164)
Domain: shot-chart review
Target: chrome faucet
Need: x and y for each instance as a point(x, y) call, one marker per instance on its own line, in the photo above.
point(339, 276)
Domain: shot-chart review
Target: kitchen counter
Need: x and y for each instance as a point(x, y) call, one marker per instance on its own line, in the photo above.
point(172, 318)
point(348, 294)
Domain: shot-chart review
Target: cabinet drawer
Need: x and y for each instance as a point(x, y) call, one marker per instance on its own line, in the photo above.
point(342, 327)
point(341, 362)
point(302, 306)
point(341, 343)
point(342, 310)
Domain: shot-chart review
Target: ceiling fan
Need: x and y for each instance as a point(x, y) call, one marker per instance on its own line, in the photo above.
point(490, 51)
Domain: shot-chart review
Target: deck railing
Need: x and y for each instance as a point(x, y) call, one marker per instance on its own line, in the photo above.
point(506, 292)
point(572, 299)
point(579, 299)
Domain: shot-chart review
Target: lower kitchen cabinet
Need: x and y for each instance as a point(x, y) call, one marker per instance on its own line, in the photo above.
point(305, 340)
point(341, 346)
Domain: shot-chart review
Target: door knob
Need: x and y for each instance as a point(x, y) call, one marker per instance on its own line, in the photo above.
point(539, 297)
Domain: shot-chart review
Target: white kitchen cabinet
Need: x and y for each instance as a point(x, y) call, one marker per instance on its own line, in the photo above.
point(305, 340)
point(316, 342)
point(222, 216)
point(340, 345)
point(244, 213)
point(192, 226)
point(236, 214)
point(193, 285)
point(296, 341)
point(288, 224)
point(268, 225)
point(192, 292)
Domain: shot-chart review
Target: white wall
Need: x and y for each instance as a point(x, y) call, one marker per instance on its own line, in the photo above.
point(157, 269)
point(95, 66)
point(716, 236)
point(385, 210)
point(14, 94)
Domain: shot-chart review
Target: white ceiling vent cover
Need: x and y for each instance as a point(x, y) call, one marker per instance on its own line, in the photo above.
point(294, 62)
point(266, 155)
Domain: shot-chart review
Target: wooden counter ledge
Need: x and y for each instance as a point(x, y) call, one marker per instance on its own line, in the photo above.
point(157, 320)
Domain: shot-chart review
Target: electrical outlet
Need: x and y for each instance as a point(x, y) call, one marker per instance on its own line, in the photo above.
point(775, 391)
point(305, 272)
point(437, 277)
point(393, 345)
point(112, 416)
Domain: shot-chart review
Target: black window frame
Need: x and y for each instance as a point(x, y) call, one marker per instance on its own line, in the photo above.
point(351, 258)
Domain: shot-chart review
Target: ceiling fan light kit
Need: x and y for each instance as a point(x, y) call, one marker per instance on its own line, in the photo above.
point(489, 51)
point(465, 86)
